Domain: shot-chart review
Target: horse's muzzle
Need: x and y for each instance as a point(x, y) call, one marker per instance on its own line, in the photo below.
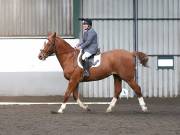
point(41, 56)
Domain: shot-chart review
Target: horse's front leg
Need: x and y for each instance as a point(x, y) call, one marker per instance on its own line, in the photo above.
point(71, 87)
point(77, 99)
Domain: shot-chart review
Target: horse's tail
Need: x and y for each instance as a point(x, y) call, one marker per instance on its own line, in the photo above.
point(142, 57)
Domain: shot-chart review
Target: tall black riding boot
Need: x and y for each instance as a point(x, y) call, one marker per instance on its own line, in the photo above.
point(86, 68)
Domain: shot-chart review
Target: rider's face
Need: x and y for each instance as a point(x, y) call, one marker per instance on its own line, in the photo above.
point(85, 26)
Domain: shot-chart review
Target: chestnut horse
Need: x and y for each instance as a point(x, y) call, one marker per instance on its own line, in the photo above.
point(119, 63)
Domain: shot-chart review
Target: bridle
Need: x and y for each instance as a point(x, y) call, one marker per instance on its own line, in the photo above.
point(52, 46)
point(44, 53)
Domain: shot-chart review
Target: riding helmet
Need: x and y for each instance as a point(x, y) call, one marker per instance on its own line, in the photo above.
point(87, 21)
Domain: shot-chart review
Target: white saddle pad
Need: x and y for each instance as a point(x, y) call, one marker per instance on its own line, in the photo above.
point(97, 60)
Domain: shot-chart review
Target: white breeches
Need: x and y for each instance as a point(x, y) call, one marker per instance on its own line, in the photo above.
point(86, 55)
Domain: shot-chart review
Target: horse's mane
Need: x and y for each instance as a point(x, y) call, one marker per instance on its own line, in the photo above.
point(63, 41)
point(65, 44)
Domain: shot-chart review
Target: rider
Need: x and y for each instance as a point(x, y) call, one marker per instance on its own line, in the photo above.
point(88, 44)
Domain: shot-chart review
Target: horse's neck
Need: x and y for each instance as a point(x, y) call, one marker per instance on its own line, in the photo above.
point(65, 54)
point(63, 45)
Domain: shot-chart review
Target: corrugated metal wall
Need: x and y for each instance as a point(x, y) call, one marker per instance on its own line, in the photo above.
point(36, 17)
point(158, 28)
point(158, 31)
point(156, 37)
point(113, 33)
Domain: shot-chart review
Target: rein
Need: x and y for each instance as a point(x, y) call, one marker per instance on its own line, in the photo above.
point(74, 61)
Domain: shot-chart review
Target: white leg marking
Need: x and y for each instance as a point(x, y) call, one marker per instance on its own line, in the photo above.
point(142, 104)
point(63, 106)
point(85, 107)
point(112, 104)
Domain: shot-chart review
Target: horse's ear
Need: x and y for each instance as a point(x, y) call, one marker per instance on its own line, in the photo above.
point(54, 35)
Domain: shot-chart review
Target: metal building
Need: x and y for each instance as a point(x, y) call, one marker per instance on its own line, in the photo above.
point(150, 26)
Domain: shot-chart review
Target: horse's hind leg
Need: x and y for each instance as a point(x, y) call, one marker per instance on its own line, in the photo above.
point(137, 90)
point(117, 91)
point(77, 99)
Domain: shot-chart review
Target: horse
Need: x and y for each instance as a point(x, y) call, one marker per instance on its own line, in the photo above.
point(119, 63)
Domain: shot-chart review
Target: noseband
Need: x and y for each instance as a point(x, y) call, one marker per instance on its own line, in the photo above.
point(45, 54)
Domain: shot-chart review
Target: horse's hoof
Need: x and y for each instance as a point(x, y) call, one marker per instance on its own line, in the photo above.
point(144, 109)
point(109, 110)
point(88, 110)
point(55, 112)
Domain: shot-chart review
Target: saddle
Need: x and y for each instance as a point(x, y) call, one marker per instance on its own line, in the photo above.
point(94, 60)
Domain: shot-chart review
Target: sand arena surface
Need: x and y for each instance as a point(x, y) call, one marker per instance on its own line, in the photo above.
point(126, 118)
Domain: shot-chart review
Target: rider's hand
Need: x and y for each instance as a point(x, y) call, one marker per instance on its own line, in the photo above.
point(77, 47)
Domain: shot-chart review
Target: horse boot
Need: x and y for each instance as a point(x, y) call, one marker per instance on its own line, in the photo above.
point(86, 67)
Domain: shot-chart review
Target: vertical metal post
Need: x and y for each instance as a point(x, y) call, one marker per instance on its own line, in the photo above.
point(76, 14)
point(135, 33)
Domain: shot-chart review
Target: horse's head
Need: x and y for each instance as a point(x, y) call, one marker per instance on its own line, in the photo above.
point(49, 47)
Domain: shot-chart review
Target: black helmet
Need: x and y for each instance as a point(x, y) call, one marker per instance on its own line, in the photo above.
point(87, 21)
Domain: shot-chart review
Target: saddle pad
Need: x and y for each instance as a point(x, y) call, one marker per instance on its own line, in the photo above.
point(96, 59)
